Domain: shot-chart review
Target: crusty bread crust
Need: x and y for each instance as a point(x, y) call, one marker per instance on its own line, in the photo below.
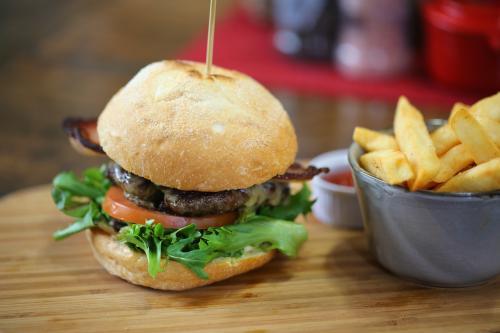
point(119, 260)
point(179, 128)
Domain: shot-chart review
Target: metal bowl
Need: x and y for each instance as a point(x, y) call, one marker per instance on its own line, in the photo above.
point(435, 239)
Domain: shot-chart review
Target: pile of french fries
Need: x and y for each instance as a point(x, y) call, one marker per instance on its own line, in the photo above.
point(461, 156)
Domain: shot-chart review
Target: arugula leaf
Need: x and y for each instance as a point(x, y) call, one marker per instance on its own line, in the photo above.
point(196, 248)
point(146, 238)
point(132, 235)
point(87, 221)
point(296, 204)
point(67, 181)
point(97, 178)
point(195, 260)
point(80, 198)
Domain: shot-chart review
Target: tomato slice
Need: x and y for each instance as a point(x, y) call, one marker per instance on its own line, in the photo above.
point(118, 206)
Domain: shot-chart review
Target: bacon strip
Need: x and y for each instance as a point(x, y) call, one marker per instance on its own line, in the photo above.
point(298, 172)
point(83, 135)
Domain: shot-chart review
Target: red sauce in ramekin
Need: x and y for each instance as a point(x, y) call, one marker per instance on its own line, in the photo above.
point(343, 177)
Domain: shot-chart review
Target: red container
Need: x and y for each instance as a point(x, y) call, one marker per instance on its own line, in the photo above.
point(462, 43)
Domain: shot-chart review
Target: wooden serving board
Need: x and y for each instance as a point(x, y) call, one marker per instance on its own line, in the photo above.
point(333, 286)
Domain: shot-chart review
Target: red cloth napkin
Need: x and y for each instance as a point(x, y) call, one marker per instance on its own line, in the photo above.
point(245, 46)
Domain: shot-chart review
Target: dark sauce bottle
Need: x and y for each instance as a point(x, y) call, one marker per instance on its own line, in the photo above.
point(305, 28)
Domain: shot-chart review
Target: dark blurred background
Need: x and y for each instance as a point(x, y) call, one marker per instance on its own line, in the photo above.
point(66, 58)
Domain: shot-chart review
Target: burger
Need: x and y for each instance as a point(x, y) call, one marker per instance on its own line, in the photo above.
point(197, 187)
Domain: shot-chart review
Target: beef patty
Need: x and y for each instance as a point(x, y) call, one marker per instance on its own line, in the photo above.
point(193, 203)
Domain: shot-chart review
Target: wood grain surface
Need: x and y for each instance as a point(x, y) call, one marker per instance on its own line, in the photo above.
point(333, 286)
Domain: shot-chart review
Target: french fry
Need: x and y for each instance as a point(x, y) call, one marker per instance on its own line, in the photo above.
point(491, 127)
point(388, 165)
point(444, 138)
point(473, 136)
point(481, 178)
point(488, 107)
point(468, 147)
point(415, 142)
point(371, 140)
point(452, 162)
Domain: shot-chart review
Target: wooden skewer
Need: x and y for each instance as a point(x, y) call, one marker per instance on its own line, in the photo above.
point(210, 37)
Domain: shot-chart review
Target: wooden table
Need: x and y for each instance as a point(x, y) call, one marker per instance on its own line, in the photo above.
point(333, 286)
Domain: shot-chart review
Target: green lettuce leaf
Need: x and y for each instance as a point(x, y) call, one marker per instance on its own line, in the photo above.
point(284, 236)
point(196, 248)
point(80, 198)
point(297, 204)
point(156, 242)
point(185, 250)
point(85, 222)
point(148, 238)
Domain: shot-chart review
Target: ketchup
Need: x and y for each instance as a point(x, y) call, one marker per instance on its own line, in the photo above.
point(343, 177)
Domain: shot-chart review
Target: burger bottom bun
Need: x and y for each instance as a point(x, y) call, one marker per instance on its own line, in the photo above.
point(119, 260)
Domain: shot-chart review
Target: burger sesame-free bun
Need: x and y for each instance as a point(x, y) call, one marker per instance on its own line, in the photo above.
point(179, 128)
point(118, 259)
